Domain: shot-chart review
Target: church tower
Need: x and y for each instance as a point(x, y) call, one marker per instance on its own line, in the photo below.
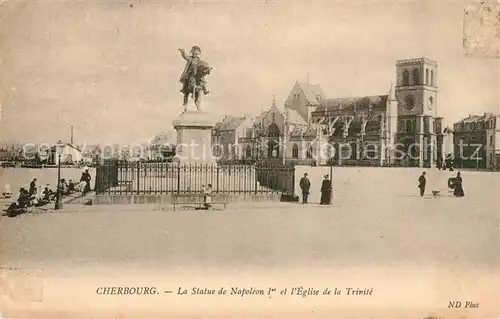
point(416, 92)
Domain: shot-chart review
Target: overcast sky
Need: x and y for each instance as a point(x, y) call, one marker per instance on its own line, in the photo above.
point(112, 69)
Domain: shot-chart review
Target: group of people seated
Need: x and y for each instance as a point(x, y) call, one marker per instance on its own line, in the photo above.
point(32, 197)
point(37, 197)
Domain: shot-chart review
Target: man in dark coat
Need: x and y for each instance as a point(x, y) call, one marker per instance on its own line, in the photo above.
point(86, 178)
point(305, 185)
point(326, 191)
point(421, 184)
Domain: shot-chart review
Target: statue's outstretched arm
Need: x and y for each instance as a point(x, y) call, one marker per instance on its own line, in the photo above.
point(183, 54)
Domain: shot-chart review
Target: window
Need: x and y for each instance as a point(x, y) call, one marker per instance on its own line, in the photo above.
point(295, 151)
point(371, 152)
point(273, 130)
point(416, 76)
point(309, 153)
point(432, 77)
point(401, 126)
point(406, 78)
point(409, 126)
point(427, 76)
point(248, 152)
point(491, 140)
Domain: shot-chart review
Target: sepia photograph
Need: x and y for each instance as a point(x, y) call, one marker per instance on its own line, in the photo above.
point(249, 159)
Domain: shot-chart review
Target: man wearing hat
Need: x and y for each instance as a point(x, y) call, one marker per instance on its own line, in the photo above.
point(305, 185)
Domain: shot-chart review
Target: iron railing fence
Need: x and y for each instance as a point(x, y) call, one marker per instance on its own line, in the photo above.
point(116, 177)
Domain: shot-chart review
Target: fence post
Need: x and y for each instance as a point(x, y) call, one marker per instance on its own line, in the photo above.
point(98, 178)
point(138, 177)
point(256, 178)
point(217, 182)
point(178, 178)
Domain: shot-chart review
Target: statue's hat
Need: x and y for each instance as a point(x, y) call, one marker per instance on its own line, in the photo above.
point(195, 48)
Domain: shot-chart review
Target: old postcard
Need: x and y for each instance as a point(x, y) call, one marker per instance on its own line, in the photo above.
point(259, 159)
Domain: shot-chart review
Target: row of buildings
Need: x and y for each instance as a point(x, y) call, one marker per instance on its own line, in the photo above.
point(399, 128)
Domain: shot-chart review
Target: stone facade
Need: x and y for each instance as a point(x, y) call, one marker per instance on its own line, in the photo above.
point(476, 141)
point(226, 136)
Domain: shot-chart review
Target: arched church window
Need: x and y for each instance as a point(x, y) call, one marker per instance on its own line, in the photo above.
point(406, 78)
point(416, 76)
point(295, 151)
point(309, 153)
point(273, 130)
point(432, 77)
point(409, 126)
point(427, 76)
point(248, 152)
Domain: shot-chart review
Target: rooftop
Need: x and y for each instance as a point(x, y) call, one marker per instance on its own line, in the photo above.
point(416, 60)
point(377, 101)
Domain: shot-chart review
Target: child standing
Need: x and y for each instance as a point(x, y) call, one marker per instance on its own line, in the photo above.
point(207, 196)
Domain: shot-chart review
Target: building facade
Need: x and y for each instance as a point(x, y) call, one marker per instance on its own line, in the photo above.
point(226, 136)
point(400, 127)
point(476, 141)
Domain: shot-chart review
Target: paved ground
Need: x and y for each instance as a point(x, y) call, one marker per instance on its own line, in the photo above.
point(381, 222)
point(376, 222)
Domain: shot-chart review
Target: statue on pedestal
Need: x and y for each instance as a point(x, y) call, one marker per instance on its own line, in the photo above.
point(193, 78)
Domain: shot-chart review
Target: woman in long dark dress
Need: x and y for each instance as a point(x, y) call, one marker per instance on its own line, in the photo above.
point(326, 191)
point(458, 188)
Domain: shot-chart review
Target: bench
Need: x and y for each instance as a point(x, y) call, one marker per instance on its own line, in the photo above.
point(196, 201)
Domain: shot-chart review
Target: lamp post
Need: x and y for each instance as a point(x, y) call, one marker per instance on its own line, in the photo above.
point(58, 204)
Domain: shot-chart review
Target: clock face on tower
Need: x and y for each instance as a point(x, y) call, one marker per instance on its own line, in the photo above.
point(409, 102)
point(430, 103)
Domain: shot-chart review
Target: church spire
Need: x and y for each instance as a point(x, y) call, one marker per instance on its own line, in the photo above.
point(392, 94)
point(274, 102)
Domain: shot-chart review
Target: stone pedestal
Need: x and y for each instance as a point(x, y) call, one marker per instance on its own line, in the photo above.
point(194, 138)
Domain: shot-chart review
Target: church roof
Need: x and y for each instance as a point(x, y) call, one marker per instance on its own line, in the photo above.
point(349, 103)
point(293, 117)
point(311, 91)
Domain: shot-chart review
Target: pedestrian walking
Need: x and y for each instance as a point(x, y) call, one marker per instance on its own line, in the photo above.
point(326, 191)
point(421, 184)
point(305, 185)
point(458, 188)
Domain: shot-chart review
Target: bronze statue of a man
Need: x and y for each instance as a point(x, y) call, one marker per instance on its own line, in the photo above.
point(193, 77)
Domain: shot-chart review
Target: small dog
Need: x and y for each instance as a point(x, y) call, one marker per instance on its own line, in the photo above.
point(435, 193)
